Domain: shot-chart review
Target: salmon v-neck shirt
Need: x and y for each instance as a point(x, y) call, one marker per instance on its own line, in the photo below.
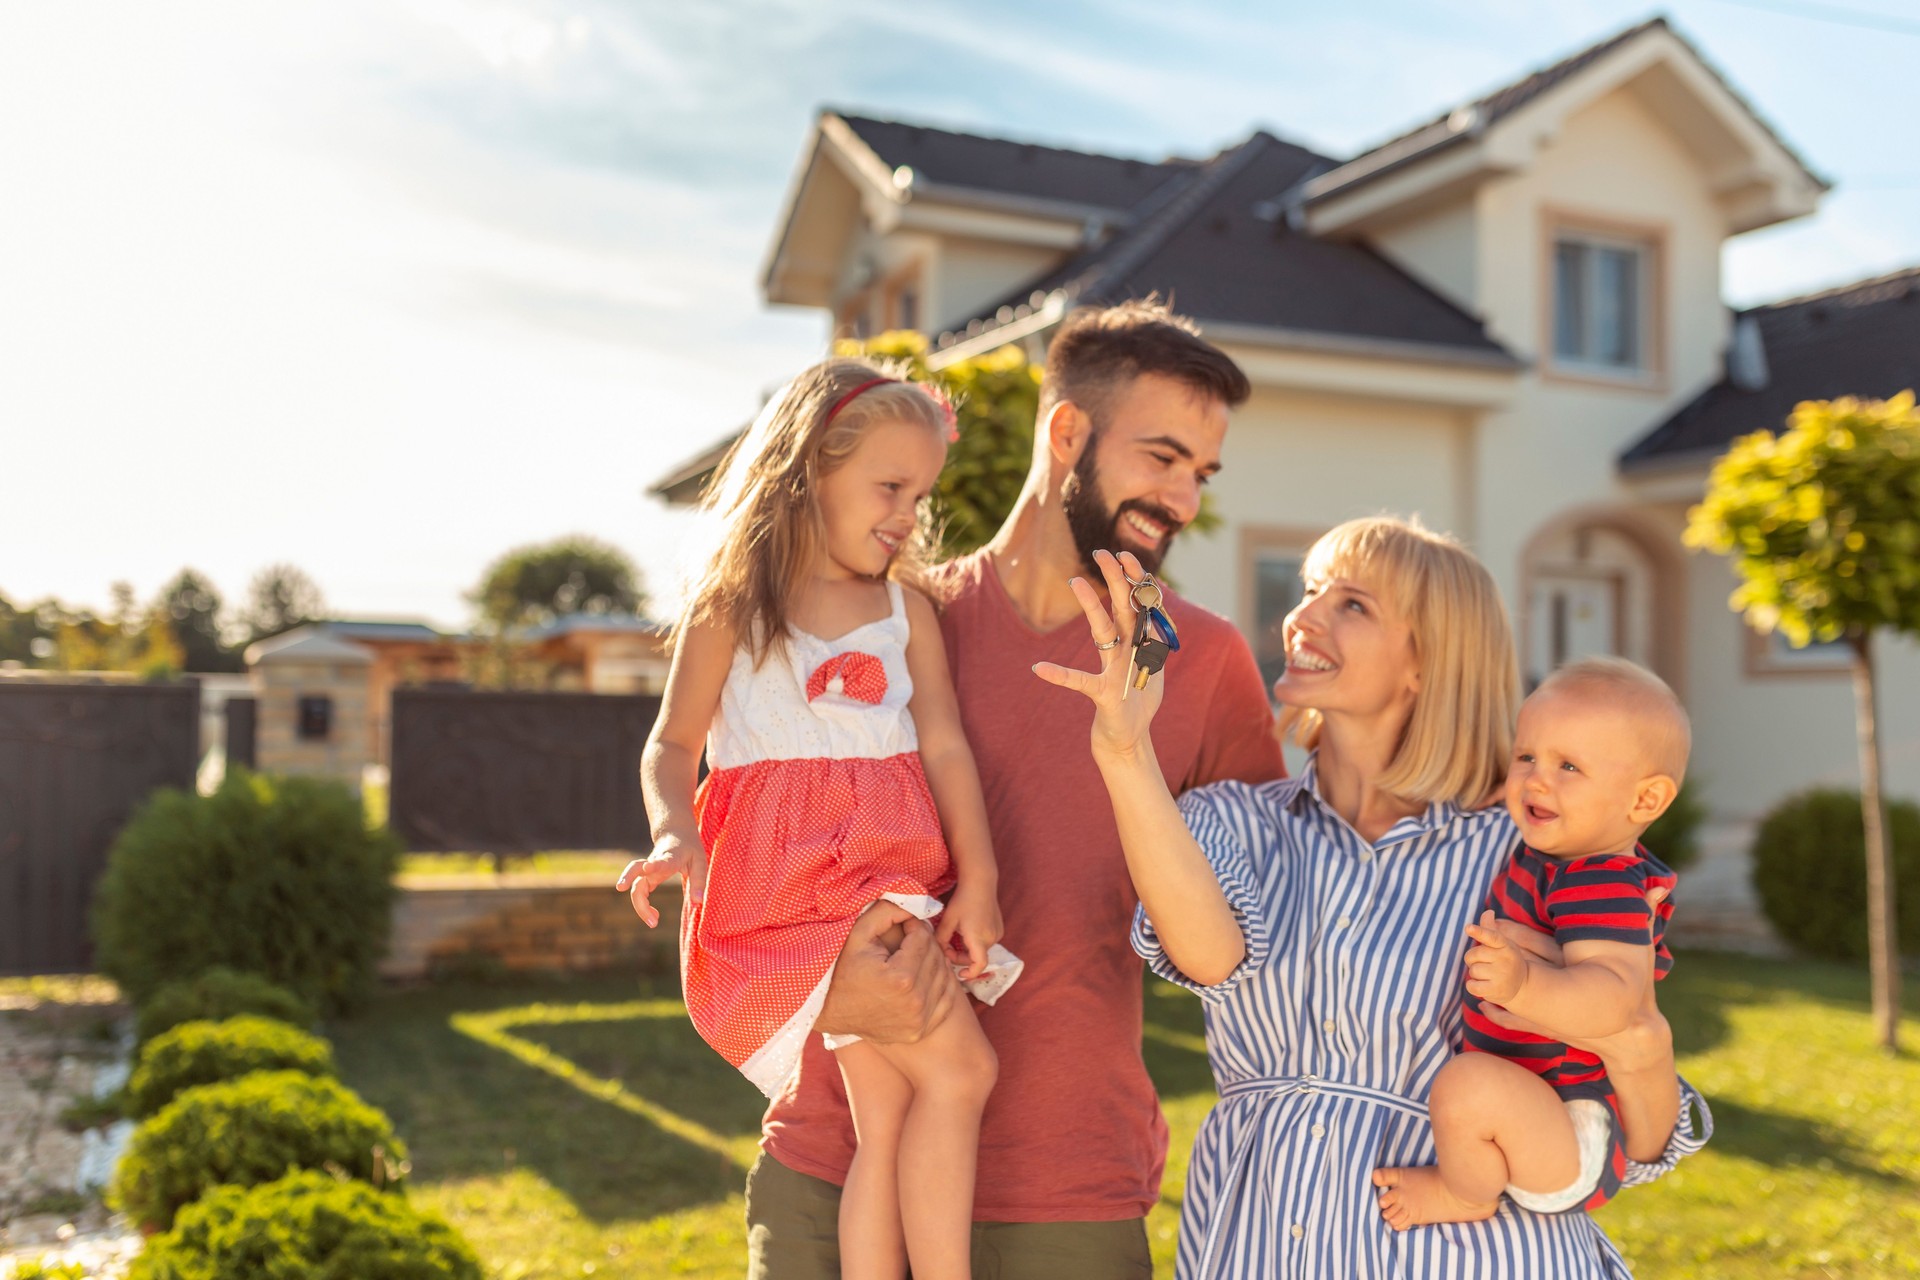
point(1073, 1130)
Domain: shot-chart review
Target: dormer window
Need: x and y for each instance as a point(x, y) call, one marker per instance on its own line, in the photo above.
point(1603, 313)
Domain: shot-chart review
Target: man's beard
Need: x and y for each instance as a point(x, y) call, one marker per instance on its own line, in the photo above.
point(1096, 527)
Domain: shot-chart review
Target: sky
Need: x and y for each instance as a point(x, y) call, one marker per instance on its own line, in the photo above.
point(383, 288)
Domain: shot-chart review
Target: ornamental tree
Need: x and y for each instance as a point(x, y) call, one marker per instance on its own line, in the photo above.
point(1823, 524)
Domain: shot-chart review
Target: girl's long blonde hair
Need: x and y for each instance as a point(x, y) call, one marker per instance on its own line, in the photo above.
point(1458, 742)
point(767, 491)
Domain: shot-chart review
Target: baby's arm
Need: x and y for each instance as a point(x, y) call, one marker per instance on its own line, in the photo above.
point(1599, 991)
point(670, 767)
point(955, 782)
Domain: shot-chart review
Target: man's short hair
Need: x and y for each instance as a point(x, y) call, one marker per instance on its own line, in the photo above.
point(1099, 351)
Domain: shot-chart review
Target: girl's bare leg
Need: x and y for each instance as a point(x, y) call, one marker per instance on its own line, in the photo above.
point(951, 1072)
point(1494, 1123)
point(872, 1246)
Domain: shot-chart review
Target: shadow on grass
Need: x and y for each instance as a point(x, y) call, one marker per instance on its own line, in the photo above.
point(1175, 1041)
point(615, 1102)
point(1785, 1141)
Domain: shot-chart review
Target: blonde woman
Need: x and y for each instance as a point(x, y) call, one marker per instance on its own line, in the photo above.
point(1321, 920)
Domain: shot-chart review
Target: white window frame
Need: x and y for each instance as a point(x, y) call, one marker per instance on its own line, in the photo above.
point(1647, 244)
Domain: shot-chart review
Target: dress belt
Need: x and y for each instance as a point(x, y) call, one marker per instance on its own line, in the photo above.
point(1263, 1089)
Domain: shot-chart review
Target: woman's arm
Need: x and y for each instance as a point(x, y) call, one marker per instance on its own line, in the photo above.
point(1176, 884)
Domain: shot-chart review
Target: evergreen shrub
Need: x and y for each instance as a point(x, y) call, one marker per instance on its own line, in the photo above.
point(245, 1132)
point(1810, 871)
point(275, 876)
point(197, 1053)
point(306, 1226)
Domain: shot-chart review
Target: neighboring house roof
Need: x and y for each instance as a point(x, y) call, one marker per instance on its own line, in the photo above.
point(682, 485)
point(1858, 340)
point(1021, 169)
point(388, 630)
point(573, 623)
point(1214, 251)
point(1474, 118)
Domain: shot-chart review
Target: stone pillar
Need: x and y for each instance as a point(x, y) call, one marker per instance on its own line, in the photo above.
point(311, 692)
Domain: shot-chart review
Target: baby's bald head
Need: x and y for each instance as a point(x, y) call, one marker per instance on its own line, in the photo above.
point(1663, 730)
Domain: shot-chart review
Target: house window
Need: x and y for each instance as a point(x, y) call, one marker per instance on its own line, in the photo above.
point(316, 716)
point(1773, 655)
point(1602, 303)
point(906, 308)
point(1270, 561)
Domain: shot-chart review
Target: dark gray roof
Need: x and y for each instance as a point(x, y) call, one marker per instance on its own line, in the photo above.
point(1212, 249)
point(1023, 169)
point(1470, 119)
point(1859, 340)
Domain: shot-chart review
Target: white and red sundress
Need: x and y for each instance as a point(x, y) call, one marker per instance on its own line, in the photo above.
point(816, 807)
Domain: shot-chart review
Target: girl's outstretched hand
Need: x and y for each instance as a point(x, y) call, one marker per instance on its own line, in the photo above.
point(1119, 726)
point(973, 912)
point(669, 858)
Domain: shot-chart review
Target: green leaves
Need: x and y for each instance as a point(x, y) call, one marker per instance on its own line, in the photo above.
point(1822, 520)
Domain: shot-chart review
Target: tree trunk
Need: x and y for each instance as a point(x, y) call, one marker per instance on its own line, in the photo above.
point(1883, 946)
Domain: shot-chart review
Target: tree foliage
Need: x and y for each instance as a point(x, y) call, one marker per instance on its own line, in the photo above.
point(191, 605)
point(1822, 521)
point(536, 584)
point(280, 598)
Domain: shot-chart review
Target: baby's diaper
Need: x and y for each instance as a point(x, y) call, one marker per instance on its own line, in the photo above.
point(1593, 1129)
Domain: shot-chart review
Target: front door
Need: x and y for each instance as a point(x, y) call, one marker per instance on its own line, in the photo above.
point(1574, 616)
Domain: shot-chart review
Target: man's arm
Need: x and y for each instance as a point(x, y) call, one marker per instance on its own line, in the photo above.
point(888, 997)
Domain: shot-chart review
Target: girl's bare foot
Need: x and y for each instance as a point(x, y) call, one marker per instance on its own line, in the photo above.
point(1416, 1197)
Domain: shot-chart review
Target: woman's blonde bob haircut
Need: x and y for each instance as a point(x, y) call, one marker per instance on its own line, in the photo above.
point(767, 489)
point(1459, 740)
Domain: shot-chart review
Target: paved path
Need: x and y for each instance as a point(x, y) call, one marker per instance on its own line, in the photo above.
point(53, 1054)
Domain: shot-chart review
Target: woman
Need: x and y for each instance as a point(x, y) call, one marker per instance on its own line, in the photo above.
point(1321, 919)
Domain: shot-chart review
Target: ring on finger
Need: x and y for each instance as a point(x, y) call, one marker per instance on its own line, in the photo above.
point(1108, 645)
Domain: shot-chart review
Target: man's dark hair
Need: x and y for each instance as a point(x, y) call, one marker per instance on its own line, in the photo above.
point(1099, 351)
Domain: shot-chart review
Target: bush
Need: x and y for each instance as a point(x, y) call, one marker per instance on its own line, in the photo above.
point(273, 876)
point(249, 1131)
point(218, 993)
point(307, 1226)
point(1674, 837)
point(1810, 870)
point(41, 1269)
point(197, 1053)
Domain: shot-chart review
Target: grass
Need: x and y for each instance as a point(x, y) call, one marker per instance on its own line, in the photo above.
point(559, 862)
point(584, 1129)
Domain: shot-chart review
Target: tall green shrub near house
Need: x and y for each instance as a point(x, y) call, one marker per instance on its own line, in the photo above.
point(269, 875)
point(1823, 524)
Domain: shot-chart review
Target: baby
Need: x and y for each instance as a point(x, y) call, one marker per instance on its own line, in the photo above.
point(1600, 752)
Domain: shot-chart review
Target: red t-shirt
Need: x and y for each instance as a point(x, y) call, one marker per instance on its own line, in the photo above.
point(1073, 1130)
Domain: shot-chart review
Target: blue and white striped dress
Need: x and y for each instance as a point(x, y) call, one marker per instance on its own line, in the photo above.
point(1326, 1039)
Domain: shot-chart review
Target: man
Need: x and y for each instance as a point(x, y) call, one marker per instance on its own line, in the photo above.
point(1133, 412)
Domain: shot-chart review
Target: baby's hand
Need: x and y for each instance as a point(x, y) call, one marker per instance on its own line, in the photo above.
point(1496, 969)
point(974, 914)
point(669, 858)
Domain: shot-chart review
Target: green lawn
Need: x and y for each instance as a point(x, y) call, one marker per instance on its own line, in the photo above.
point(584, 1129)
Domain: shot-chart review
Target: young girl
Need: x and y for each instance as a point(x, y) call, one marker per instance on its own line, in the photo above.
point(818, 684)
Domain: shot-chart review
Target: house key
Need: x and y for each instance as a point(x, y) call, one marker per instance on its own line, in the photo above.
point(1149, 652)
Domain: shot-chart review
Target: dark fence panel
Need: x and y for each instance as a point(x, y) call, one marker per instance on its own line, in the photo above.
point(518, 772)
point(242, 714)
point(75, 760)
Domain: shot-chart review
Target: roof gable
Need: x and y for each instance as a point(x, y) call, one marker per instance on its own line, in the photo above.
point(1758, 177)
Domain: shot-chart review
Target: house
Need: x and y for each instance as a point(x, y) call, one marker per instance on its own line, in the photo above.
point(1507, 320)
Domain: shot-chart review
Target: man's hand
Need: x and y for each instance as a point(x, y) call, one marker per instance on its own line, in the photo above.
point(892, 997)
point(1496, 969)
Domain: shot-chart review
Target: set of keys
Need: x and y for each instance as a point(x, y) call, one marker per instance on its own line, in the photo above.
point(1154, 636)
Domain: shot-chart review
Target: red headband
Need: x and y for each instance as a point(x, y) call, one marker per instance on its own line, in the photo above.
point(844, 400)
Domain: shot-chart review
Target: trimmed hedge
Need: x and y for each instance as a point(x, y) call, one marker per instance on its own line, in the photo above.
point(217, 993)
point(307, 1226)
point(248, 1131)
point(1810, 870)
point(274, 876)
point(197, 1053)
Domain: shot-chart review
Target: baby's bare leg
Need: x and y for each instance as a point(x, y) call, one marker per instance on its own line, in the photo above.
point(871, 1244)
point(1494, 1123)
point(952, 1071)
